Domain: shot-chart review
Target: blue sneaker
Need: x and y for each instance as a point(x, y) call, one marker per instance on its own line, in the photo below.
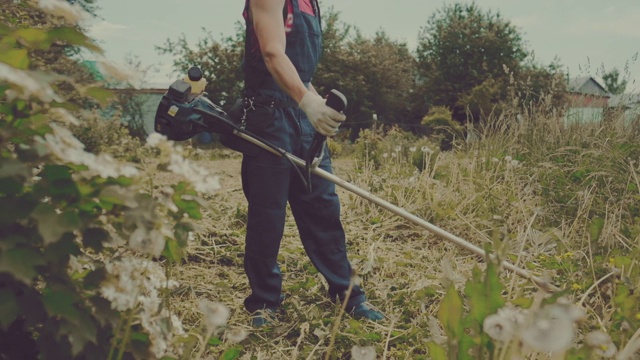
point(263, 317)
point(364, 311)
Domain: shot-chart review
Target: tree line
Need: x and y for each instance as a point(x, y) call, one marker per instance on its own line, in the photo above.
point(472, 62)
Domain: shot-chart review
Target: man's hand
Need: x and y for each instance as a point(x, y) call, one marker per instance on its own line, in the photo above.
point(323, 118)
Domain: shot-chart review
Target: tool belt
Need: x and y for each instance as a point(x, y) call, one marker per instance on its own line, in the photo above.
point(241, 110)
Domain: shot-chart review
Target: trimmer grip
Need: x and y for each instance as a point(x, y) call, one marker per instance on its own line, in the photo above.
point(336, 100)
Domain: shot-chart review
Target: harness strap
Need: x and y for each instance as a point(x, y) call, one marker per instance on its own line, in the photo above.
point(251, 101)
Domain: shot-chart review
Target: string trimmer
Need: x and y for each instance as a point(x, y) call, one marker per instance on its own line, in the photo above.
point(181, 116)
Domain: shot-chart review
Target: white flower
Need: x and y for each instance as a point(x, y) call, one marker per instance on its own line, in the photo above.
point(398, 148)
point(72, 13)
point(601, 342)
point(426, 149)
point(155, 138)
point(385, 155)
point(67, 148)
point(550, 329)
point(201, 179)
point(508, 158)
point(236, 335)
point(363, 352)
point(215, 314)
point(148, 242)
point(499, 327)
point(412, 149)
point(133, 281)
point(118, 73)
point(63, 115)
point(28, 83)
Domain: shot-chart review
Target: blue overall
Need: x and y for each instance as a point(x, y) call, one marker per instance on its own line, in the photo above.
point(270, 181)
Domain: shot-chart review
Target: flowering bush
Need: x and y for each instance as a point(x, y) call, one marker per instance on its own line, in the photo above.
point(84, 249)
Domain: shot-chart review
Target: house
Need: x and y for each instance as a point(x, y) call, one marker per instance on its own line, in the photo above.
point(627, 104)
point(588, 97)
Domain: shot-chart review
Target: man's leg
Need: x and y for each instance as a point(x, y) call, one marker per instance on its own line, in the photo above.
point(317, 215)
point(265, 186)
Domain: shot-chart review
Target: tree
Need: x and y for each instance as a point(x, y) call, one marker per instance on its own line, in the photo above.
point(614, 83)
point(376, 74)
point(219, 60)
point(461, 49)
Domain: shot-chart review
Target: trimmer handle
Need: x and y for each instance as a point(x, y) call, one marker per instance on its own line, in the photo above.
point(338, 102)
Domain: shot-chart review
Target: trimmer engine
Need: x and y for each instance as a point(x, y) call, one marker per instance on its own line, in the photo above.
point(180, 114)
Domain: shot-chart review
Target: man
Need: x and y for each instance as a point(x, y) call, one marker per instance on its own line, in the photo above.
point(283, 45)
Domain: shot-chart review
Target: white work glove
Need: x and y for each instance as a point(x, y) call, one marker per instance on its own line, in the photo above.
point(323, 118)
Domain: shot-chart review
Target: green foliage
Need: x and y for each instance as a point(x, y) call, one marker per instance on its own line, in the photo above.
point(613, 81)
point(377, 74)
point(439, 123)
point(463, 324)
point(476, 64)
point(62, 210)
point(100, 135)
point(461, 47)
point(219, 60)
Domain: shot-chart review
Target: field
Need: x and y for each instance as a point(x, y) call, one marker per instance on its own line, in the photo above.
point(565, 210)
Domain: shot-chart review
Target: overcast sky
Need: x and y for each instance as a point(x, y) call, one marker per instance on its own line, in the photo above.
point(585, 35)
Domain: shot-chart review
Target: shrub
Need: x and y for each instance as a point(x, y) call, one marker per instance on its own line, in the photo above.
point(439, 122)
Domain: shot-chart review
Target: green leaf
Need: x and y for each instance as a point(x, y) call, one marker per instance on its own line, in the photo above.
point(79, 332)
point(450, 313)
point(52, 225)
point(190, 207)
point(33, 38)
point(18, 58)
point(118, 196)
point(56, 172)
point(173, 251)
point(102, 95)
point(10, 186)
point(214, 341)
point(484, 296)
point(595, 229)
point(14, 168)
point(60, 303)
point(139, 336)
point(8, 308)
point(436, 352)
point(73, 36)
point(20, 263)
point(95, 238)
point(230, 354)
point(15, 208)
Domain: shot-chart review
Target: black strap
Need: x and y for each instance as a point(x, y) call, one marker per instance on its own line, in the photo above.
point(268, 102)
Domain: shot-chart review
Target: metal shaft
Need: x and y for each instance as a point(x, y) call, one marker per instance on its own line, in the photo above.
point(544, 285)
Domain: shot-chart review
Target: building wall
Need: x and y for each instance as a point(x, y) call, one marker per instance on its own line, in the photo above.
point(585, 100)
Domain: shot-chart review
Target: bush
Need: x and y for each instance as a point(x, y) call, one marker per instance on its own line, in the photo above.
point(439, 122)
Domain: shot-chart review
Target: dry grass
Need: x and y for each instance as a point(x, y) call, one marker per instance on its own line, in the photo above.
point(525, 210)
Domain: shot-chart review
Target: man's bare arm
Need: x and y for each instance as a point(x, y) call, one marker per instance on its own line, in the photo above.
point(269, 27)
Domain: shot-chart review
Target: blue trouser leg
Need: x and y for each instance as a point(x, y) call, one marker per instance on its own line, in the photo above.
point(268, 183)
point(266, 190)
point(317, 216)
